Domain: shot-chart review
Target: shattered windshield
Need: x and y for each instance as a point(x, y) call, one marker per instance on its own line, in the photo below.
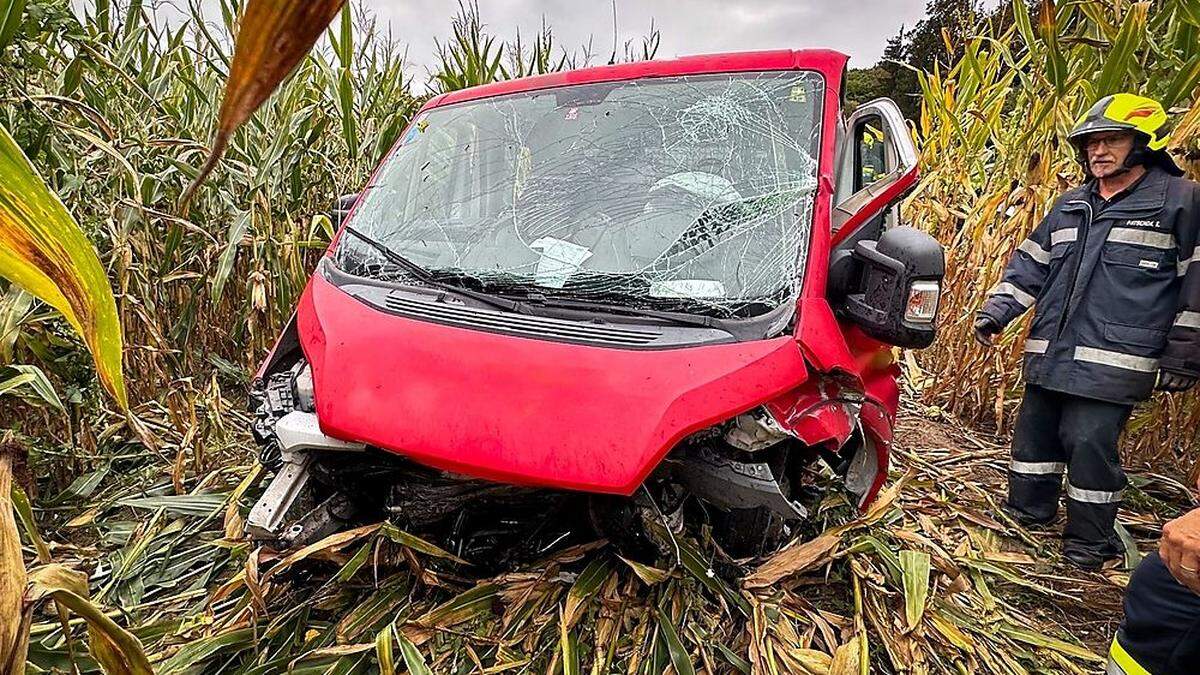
point(686, 192)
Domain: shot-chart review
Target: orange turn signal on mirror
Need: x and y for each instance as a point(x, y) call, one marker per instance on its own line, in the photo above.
point(923, 299)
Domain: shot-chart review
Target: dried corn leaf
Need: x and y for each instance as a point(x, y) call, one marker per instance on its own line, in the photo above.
point(333, 542)
point(649, 575)
point(117, 650)
point(13, 639)
point(846, 659)
point(793, 560)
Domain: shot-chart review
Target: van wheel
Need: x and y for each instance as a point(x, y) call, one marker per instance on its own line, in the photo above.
point(745, 533)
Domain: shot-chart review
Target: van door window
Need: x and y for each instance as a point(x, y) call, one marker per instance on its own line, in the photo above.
point(876, 151)
point(870, 152)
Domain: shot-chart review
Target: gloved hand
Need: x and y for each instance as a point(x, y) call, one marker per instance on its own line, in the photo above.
point(1169, 381)
point(986, 329)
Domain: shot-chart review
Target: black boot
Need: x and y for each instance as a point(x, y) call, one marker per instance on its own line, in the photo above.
point(1091, 558)
point(1028, 521)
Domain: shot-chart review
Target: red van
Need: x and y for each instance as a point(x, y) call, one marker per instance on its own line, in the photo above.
point(672, 286)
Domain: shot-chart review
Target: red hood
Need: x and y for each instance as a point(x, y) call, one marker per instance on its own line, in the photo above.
point(522, 410)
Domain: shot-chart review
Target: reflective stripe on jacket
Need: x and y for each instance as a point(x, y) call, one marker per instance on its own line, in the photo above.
point(1117, 293)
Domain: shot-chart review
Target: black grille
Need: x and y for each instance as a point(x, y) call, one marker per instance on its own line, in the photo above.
point(519, 324)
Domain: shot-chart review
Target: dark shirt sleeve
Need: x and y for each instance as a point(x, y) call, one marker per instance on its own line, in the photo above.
point(1183, 341)
point(1023, 277)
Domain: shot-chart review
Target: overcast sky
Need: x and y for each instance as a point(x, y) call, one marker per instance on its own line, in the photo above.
point(859, 28)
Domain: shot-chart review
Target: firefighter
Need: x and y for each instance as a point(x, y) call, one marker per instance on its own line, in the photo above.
point(1114, 273)
point(1160, 634)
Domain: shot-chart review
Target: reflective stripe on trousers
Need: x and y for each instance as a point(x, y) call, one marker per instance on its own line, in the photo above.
point(1187, 319)
point(1094, 496)
point(1038, 468)
point(1121, 663)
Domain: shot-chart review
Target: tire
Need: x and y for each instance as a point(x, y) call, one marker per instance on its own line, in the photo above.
point(745, 533)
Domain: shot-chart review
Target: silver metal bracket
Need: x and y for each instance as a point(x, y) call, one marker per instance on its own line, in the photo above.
point(287, 498)
point(281, 498)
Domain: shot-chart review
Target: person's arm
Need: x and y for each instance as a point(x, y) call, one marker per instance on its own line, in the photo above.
point(1179, 549)
point(1180, 364)
point(1020, 284)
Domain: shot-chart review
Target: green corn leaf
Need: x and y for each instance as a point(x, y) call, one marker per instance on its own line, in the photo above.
point(37, 381)
point(383, 652)
point(346, 43)
point(43, 250)
point(355, 563)
point(464, 606)
point(915, 566)
point(1188, 10)
point(417, 544)
point(741, 664)
point(1023, 23)
point(1120, 58)
point(1056, 62)
point(24, 511)
point(680, 660)
point(1040, 640)
point(569, 646)
point(233, 242)
point(412, 657)
point(11, 14)
point(346, 107)
point(14, 382)
point(1132, 555)
point(1186, 80)
point(197, 652)
point(200, 506)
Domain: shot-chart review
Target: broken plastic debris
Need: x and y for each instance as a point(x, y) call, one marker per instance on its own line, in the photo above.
point(560, 259)
point(755, 431)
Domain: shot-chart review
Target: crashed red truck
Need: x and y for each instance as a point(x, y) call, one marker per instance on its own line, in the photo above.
point(667, 287)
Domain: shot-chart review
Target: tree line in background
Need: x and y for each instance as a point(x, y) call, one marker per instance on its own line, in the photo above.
point(933, 42)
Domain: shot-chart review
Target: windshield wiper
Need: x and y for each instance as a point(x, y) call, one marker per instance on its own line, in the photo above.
point(610, 308)
point(426, 277)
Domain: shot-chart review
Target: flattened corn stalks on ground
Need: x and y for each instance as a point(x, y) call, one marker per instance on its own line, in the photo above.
point(930, 579)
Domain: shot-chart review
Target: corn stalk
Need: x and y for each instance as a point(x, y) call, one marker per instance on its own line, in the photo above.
point(991, 133)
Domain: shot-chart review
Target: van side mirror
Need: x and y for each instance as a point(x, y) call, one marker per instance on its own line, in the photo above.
point(341, 209)
point(891, 287)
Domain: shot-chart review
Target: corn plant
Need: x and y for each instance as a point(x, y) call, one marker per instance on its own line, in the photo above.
point(991, 133)
point(118, 118)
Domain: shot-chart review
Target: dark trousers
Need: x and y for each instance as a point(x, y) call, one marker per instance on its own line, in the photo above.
point(1057, 433)
point(1161, 630)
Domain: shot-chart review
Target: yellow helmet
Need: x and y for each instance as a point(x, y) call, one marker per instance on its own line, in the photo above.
point(1145, 117)
point(1125, 112)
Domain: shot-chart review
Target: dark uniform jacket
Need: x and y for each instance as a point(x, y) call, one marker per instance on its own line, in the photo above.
point(1117, 290)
